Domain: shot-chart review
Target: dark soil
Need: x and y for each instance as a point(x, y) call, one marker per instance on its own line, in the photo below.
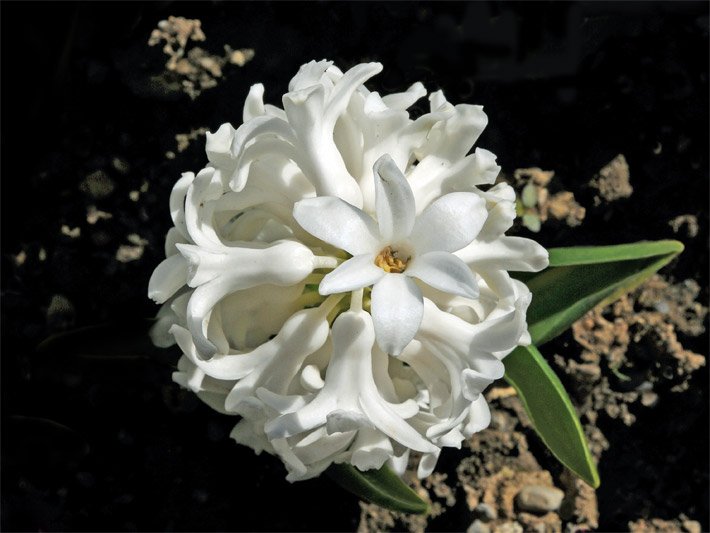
point(110, 443)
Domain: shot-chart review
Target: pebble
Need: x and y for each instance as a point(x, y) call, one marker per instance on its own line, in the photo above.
point(540, 499)
point(478, 527)
point(692, 526)
point(486, 512)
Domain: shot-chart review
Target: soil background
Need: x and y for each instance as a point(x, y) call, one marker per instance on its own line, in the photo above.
point(89, 123)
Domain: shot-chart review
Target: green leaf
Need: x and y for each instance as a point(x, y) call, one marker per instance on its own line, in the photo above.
point(550, 410)
point(383, 487)
point(586, 255)
point(578, 279)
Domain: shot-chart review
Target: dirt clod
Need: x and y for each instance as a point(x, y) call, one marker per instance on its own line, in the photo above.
point(612, 181)
point(98, 185)
point(196, 69)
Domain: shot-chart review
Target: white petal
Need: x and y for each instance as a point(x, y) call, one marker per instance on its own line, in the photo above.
point(355, 273)
point(284, 263)
point(338, 223)
point(500, 202)
point(387, 421)
point(246, 433)
point(446, 272)
point(309, 74)
point(346, 86)
point(199, 208)
point(254, 104)
point(340, 421)
point(311, 380)
point(479, 417)
point(506, 253)
point(371, 449)
point(167, 278)
point(319, 157)
point(396, 311)
point(394, 200)
point(399, 463)
point(218, 146)
point(430, 180)
point(451, 139)
point(474, 383)
point(280, 402)
point(281, 263)
point(173, 237)
point(406, 99)
point(177, 202)
point(449, 223)
point(427, 464)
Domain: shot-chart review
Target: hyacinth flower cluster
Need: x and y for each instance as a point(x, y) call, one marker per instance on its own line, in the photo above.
point(338, 274)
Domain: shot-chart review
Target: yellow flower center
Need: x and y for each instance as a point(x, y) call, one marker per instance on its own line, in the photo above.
point(388, 261)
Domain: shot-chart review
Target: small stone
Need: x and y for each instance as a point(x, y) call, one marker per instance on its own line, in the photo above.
point(478, 527)
point(21, 258)
point(241, 57)
point(134, 195)
point(42, 255)
point(540, 499)
point(486, 512)
point(649, 399)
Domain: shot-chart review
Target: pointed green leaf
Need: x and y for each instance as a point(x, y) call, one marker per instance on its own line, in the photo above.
point(383, 487)
point(550, 410)
point(579, 279)
point(586, 255)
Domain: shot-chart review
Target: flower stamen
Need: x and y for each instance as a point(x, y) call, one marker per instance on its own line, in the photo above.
point(389, 261)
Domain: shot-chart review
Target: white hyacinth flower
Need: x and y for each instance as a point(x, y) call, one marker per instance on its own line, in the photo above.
point(337, 275)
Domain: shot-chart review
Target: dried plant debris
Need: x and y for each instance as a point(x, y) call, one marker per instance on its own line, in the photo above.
point(612, 181)
point(93, 215)
point(131, 252)
point(689, 222)
point(536, 205)
point(195, 69)
point(183, 139)
point(656, 525)
point(72, 233)
point(135, 195)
